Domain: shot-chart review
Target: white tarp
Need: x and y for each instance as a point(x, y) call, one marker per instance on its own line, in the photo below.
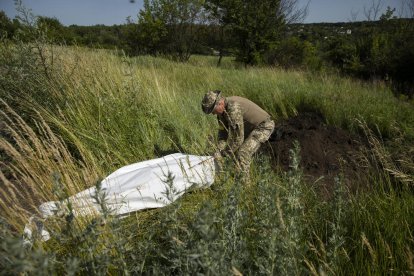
point(140, 186)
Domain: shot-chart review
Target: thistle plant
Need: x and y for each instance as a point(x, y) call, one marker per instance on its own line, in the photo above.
point(291, 216)
point(336, 241)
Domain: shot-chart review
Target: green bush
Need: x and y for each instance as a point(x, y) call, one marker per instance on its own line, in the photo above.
point(294, 53)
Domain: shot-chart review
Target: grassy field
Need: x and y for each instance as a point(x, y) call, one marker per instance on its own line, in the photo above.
point(71, 116)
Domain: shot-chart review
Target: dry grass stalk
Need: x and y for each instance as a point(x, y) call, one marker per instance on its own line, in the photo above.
point(34, 155)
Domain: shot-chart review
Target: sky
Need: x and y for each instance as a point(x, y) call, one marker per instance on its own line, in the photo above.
point(110, 12)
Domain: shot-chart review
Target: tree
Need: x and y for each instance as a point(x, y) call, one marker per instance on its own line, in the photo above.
point(170, 26)
point(54, 30)
point(152, 28)
point(388, 15)
point(5, 25)
point(220, 19)
point(256, 25)
point(294, 52)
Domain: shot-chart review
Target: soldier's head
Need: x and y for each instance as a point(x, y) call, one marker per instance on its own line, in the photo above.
point(213, 102)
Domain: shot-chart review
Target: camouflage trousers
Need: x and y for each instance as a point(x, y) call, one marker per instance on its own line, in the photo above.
point(251, 144)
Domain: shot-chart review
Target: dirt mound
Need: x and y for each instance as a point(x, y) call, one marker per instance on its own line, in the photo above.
point(325, 151)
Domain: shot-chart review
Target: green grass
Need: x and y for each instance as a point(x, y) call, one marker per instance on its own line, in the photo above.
point(95, 111)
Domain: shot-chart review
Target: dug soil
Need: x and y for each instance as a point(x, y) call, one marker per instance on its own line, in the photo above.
point(326, 152)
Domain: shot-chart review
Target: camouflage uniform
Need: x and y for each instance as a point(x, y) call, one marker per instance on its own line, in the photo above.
point(243, 127)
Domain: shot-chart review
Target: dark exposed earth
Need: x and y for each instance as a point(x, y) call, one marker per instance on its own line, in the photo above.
point(326, 152)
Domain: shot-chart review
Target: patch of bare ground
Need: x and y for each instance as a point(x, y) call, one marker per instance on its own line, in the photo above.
point(326, 152)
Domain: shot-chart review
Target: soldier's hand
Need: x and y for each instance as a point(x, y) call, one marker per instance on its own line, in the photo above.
point(218, 161)
point(227, 153)
point(217, 155)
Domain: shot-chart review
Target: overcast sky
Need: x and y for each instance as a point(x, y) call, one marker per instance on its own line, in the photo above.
point(109, 12)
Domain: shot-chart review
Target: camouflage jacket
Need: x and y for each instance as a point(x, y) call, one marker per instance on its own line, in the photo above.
point(231, 128)
point(239, 118)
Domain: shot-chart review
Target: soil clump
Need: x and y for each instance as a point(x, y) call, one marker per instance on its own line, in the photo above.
point(326, 152)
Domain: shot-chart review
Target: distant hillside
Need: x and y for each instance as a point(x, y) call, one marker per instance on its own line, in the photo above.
point(315, 31)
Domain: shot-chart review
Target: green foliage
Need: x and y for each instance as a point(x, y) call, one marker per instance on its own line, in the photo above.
point(153, 31)
point(343, 54)
point(255, 26)
point(255, 34)
point(97, 246)
point(256, 229)
point(15, 258)
point(53, 29)
point(375, 50)
point(171, 27)
point(388, 15)
point(294, 53)
point(6, 26)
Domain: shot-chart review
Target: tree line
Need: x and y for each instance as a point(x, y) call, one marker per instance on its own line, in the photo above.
point(265, 32)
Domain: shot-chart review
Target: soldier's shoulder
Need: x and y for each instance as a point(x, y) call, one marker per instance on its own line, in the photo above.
point(233, 107)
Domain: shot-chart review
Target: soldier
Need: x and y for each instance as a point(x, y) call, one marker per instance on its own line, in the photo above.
point(243, 127)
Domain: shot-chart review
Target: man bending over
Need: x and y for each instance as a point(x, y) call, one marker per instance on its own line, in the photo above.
point(243, 127)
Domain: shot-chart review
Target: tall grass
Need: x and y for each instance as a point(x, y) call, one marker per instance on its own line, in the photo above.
point(94, 111)
point(91, 90)
point(34, 157)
